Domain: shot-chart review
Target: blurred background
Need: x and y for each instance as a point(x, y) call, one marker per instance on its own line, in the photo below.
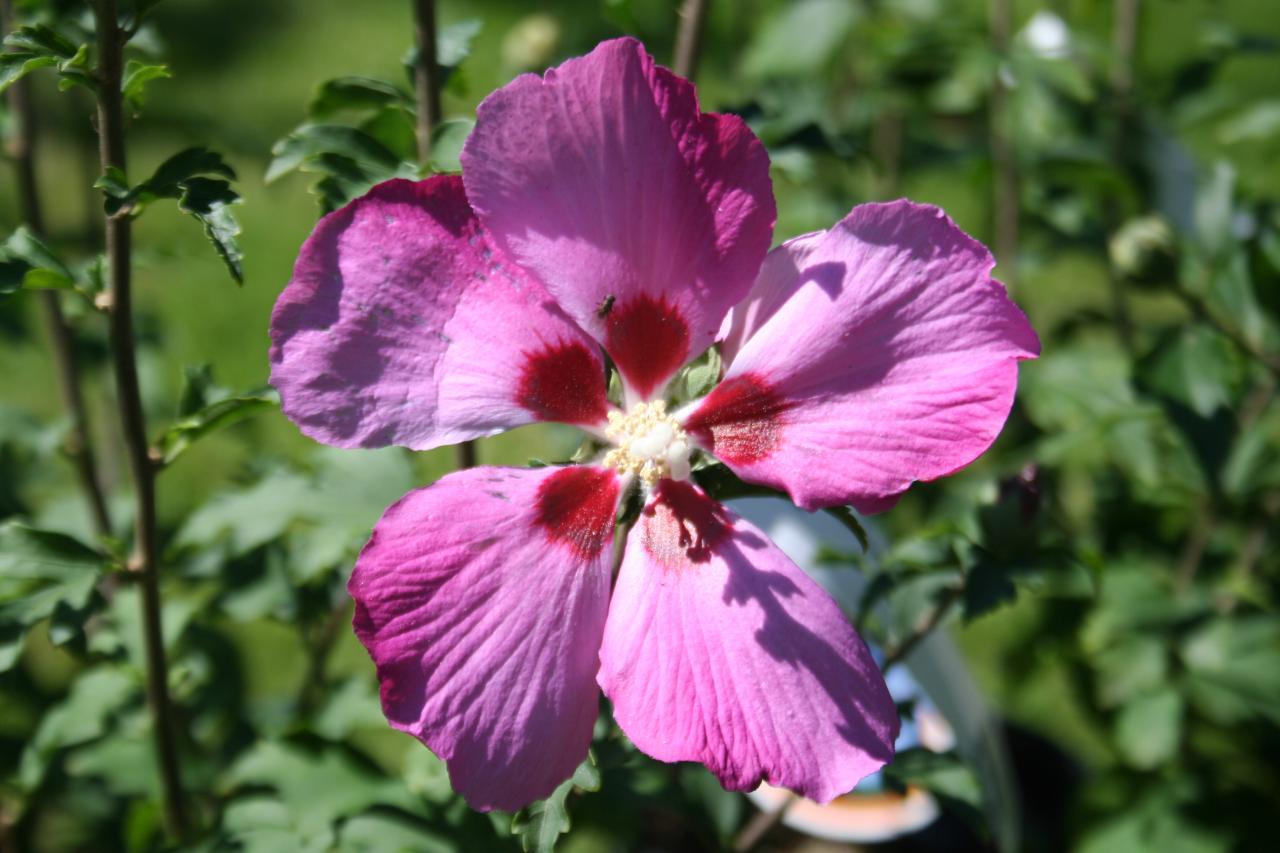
point(1108, 572)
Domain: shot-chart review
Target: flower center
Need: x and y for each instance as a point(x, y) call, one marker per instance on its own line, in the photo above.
point(649, 443)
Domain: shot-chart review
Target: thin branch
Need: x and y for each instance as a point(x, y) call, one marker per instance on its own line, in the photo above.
point(693, 23)
point(931, 621)
point(1004, 168)
point(78, 446)
point(760, 825)
point(1200, 309)
point(146, 556)
point(1124, 37)
point(426, 84)
point(426, 76)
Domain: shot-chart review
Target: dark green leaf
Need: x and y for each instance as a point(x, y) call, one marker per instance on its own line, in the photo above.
point(185, 177)
point(209, 200)
point(986, 587)
point(310, 141)
point(355, 94)
point(32, 47)
point(41, 571)
point(27, 263)
point(541, 824)
point(845, 516)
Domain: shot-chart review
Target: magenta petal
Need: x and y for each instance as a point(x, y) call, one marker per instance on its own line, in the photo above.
point(403, 324)
point(482, 600)
point(646, 218)
point(874, 355)
point(719, 649)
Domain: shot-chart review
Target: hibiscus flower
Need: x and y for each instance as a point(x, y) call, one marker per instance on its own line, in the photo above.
point(600, 212)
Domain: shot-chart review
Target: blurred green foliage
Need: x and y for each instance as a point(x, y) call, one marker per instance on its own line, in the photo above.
point(1109, 567)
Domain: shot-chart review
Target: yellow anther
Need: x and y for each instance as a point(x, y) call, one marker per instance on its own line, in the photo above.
point(648, 443)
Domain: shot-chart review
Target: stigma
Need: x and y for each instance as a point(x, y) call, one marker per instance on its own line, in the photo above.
point(648, 443)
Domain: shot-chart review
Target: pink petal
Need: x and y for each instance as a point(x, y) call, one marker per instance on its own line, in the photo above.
point(482, 600)
point(646, 218)
point(403, 324)
point(875, 355)
point(719, 649)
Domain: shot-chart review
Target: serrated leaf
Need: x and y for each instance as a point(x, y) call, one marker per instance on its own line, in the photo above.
point(310, 141)
point(209, 200)
point(38, 46)
point(542, 823)
point(41, 571)
point(186, 177)
point(356, 94)
point(214, 417)
point(136, 77)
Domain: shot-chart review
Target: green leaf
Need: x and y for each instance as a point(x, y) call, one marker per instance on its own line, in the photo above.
point(186, 177)
point(26, 263)
point(209, 200)
point(453, 42)
point(447, 139)
point(986, 588)
point(41, 572)
point(945, 775)
point(384, 833)
point(1233, 660)
point(39, 46)
point(81, 717)
point(800, 39)
point(1214, 210)
point(541, 824)
point(846, 516)
point(1148, 729)
point(1199, 368)
point(355, 94)
point(308, 142)
point(210, 419)
point(318, 788)
point(701, 376)
point(136, 76)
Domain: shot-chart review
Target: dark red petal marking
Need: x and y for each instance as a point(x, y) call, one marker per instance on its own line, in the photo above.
point(565, 383)
point(741, 419)
point(576, 507)
point(648, 340)
point(682, 526)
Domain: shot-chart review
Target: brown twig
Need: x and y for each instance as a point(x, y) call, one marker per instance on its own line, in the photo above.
point(1004, 168)
point(78, 446)
point(426, 84)
point(1124, 37)
point(760, 825)
point(1201, 311)
point(931, 621)
point(146, 556)
point(693, 23)
point(320, 645)
point(426, 76)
